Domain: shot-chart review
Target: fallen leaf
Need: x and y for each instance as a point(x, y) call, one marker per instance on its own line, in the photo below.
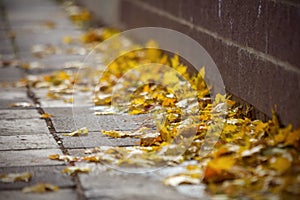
point(72, 170)
point(46, 116)
point(79, 132)
point(105, 113)
point(280, 164)
point(21, 104)
point(120, 134)
point(14, 177)
point(222, 163)
point(66, 158)
point(40, 188)
point(293, 138)
point(182, 179)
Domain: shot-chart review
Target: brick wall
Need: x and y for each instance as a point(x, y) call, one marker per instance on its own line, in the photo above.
point(255, 44)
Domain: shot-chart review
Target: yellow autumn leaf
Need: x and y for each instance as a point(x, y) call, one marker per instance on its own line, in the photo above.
point(152, 52)
point(69, 100)
point(119, 134)
point(169, 102)
point(72, 170)
point(14, 177)
point(280, 164)
point(79, 132)
point(66, 158)
point(175, 61)
point(40, 188)
point(67, 39)
point(222, 163)
point(293, 138)
point(46, 116)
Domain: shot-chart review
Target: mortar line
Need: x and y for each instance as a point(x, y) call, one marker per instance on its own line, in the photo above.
point(51, 128)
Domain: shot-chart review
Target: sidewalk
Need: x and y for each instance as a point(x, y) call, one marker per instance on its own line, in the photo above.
point(26, 141)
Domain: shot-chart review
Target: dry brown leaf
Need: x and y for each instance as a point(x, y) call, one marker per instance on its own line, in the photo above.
point(14, 177)
point(21, 104)
point(46, 116)
point(79, 132)
point(72, 170)
point(182, 179)
point(40, 188)
point(66, 158)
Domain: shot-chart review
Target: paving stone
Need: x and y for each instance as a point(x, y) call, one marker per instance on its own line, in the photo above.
point(22, 127)
point(9, 95)
point(6, 103)
point(81, 99)
point(21, 13)
point(66, 194)
point(96, 139)
point(44, 174)
point(69, 119)
point(50, 63)
point(19, 142)
point(19, 114)
point(99, 185)
point(25, 41)
point(6, 45)
point(96, 123)
point(10, 74)
point(28, 158)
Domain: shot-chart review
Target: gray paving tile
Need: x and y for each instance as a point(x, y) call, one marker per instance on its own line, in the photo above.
point(9, 95)
point(22, 13)
point(10, 74)
point(66, 194)
point(26, 40)
point(12, 93)
point(28, 158)
point(22, 127)
point(96, 139)
point(19, 114)
point(19, 142)
point(99, 185)
point(50, 63)
point(6, 103)
point(82, 100)
point(46, 174)
point(97, 123)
